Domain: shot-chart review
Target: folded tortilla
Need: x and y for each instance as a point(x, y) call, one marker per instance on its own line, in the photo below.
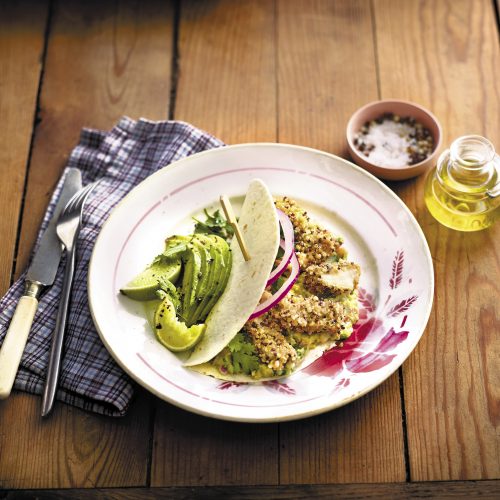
point(260, 228)
point(213, 371)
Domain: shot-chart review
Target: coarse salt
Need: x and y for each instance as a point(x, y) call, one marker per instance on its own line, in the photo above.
point(391, 141)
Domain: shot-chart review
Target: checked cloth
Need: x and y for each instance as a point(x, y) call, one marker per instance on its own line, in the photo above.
point(120, 159)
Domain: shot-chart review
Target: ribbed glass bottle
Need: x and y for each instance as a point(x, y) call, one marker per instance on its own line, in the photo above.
point(463, 191)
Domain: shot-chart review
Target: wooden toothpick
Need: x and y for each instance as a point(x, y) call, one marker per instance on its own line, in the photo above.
point(228, 212)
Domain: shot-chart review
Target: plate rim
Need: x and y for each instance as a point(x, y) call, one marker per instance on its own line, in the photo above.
point(271, 419)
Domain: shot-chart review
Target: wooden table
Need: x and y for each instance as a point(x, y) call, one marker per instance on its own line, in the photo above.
point(291, 71)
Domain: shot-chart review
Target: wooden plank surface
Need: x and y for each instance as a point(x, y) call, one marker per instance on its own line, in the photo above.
point(227, 82)
point(71, 448)
point(487, 490)
point(326, 71)
point(445, 55)
point(291, 71)
point(21, 49)
point(97, 58)
point(226, 86)
point(191, 450)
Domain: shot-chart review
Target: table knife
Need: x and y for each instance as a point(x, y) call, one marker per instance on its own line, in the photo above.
point(41, 274)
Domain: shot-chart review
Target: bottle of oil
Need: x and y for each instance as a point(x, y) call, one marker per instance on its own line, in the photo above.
point(463, 191)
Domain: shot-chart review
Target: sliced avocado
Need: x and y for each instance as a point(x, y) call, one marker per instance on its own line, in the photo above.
point(174, 250)
point(221, 277)
point(207, 289)
point(145, 285)
point(198, 276)
point(175, 244)
point(218, 284)
point(172, 333)
point(202, 284)
point(192, 267)
point(179, 245)
point(201, 289)
point(166, 266)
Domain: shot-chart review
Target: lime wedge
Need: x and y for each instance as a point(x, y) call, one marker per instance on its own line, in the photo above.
point(171, 332)
point(144, 286)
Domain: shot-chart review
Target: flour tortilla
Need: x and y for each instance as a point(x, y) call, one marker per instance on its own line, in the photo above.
point(213, 371)
point(260, 227)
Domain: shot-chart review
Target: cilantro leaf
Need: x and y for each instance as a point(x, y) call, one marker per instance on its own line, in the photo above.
point(244, 363)
point(245, 360)
point(214, 224)
point(170, 254)
point(237, 343)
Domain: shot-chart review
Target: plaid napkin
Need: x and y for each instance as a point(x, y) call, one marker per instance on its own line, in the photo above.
point(121, 158)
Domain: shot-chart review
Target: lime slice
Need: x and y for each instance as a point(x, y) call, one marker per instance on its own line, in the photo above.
point(171, 332)
point(145, 285)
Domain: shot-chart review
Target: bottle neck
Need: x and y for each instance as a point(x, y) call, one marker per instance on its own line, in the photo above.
point(471, 160)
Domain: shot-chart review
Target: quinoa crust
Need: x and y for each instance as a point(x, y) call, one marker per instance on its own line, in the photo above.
point(321, 305)
point(320, 279)
point(271, 345)
point(309, 315)
point(313, 244)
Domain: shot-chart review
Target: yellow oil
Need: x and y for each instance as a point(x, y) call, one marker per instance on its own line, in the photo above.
point(457, 196)
point(461, 210)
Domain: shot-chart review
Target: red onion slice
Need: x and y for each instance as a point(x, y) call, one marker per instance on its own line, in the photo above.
point(288, 246)
point(263, 307)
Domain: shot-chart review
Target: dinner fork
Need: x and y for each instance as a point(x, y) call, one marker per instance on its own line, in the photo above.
point(67, 229)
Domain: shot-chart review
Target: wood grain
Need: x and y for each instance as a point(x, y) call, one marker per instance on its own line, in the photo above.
point(361, 442)
point(487, 490)
point(327, 70)
point(193, 450)
point(445, 55)
point(104, 59)
point(71, 448)
point(227, 82)
point(291, 71)
point(226, 86)
point(21, 48)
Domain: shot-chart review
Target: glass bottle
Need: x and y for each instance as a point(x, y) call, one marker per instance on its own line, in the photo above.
point(463, 191)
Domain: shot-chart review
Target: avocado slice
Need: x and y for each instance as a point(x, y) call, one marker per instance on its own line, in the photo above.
point(221, 277)
point(166, 266)
point(145, 285)
point(179, 245)
point(175, 245)
point(173, 250)
point(201, 285)
point(200, 271)
point(202, 288)
point(210, 278)
point(192, 267)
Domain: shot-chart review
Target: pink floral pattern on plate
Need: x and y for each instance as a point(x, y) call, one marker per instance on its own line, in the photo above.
point(371, 345)
point(374, 339)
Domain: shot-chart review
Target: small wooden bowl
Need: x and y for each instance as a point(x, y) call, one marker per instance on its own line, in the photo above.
point(375, 109)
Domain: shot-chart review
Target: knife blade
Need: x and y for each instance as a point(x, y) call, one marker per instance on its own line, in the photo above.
point(41, 273)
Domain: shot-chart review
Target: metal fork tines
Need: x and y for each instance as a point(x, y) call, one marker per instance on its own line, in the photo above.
point(68, 226)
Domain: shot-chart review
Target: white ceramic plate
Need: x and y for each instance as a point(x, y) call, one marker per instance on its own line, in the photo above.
point(396, 286)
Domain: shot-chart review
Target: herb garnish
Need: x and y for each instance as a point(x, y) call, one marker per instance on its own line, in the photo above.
point(171, 253)
point(214, 224)
point(243, 353)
